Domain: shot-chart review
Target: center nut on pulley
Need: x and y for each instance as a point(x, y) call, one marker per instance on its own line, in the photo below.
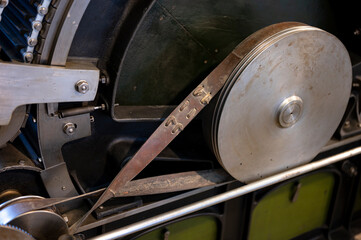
point(290, 111)
point(283, 101)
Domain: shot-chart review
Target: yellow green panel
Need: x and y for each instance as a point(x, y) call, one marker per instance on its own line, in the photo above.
point(197, 228)
point(277, 217)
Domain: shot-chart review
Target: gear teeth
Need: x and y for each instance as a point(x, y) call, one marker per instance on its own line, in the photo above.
point(17, 228)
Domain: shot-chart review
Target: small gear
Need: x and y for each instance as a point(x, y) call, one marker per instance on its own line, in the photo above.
point(9, 232)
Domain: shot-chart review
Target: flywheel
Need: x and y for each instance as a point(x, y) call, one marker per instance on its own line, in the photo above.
point(283, 101)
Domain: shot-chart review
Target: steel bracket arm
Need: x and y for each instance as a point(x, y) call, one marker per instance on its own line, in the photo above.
point(22, 84)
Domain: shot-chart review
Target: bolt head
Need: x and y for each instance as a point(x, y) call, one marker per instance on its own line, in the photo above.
point(37, 25)
point(69, 129)
point(42, 10)
point(28, 57)
point(82, 86)
point(32, 42)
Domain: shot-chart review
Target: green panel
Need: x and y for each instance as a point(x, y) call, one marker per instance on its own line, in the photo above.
point(197, 228)
point(277, 217)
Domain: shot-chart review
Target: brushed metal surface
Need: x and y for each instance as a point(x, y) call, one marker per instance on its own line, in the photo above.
point(302, 61)
point(22, 84)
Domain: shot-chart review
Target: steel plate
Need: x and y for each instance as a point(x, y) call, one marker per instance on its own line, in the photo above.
point(282, 104)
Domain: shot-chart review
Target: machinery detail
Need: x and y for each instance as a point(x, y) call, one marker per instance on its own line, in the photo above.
point(179, 120)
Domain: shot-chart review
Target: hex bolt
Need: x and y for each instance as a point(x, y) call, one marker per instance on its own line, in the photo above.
point(69, 129)
point(42, 10)
point(82, 86)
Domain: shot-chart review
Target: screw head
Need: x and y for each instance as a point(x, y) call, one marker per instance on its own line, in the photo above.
point(82, 86)
point(42, 10)
point(69, 129)
point(63, 188)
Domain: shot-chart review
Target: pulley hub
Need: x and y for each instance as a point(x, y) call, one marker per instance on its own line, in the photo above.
point(290, 111)
point(283, 101)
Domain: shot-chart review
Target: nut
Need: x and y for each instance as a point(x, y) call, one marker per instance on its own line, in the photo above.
point(69, 129)
point(82, 86)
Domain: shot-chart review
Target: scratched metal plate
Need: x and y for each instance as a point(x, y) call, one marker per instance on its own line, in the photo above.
point(247, 138)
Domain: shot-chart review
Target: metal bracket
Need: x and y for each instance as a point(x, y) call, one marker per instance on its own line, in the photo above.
point(22, 84)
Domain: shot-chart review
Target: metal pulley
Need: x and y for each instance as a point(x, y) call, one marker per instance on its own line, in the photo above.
point(283, 101)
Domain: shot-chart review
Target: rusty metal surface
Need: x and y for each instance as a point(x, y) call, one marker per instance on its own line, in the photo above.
point(183, 115)
point(173, 183)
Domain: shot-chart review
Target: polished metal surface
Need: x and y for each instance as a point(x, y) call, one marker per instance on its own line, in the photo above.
point(191, 208)
point(282, 104)
point(290, 111)
point(22, 84)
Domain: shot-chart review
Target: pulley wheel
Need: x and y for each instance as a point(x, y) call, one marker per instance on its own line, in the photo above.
point(283, 102)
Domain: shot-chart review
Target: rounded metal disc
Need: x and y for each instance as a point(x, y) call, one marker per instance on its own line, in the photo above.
point(282, 104)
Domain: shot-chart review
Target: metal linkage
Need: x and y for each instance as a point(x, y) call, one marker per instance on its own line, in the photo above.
point(3, 4)
point(154, 221)
point(37, 25)
point(43, 84)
